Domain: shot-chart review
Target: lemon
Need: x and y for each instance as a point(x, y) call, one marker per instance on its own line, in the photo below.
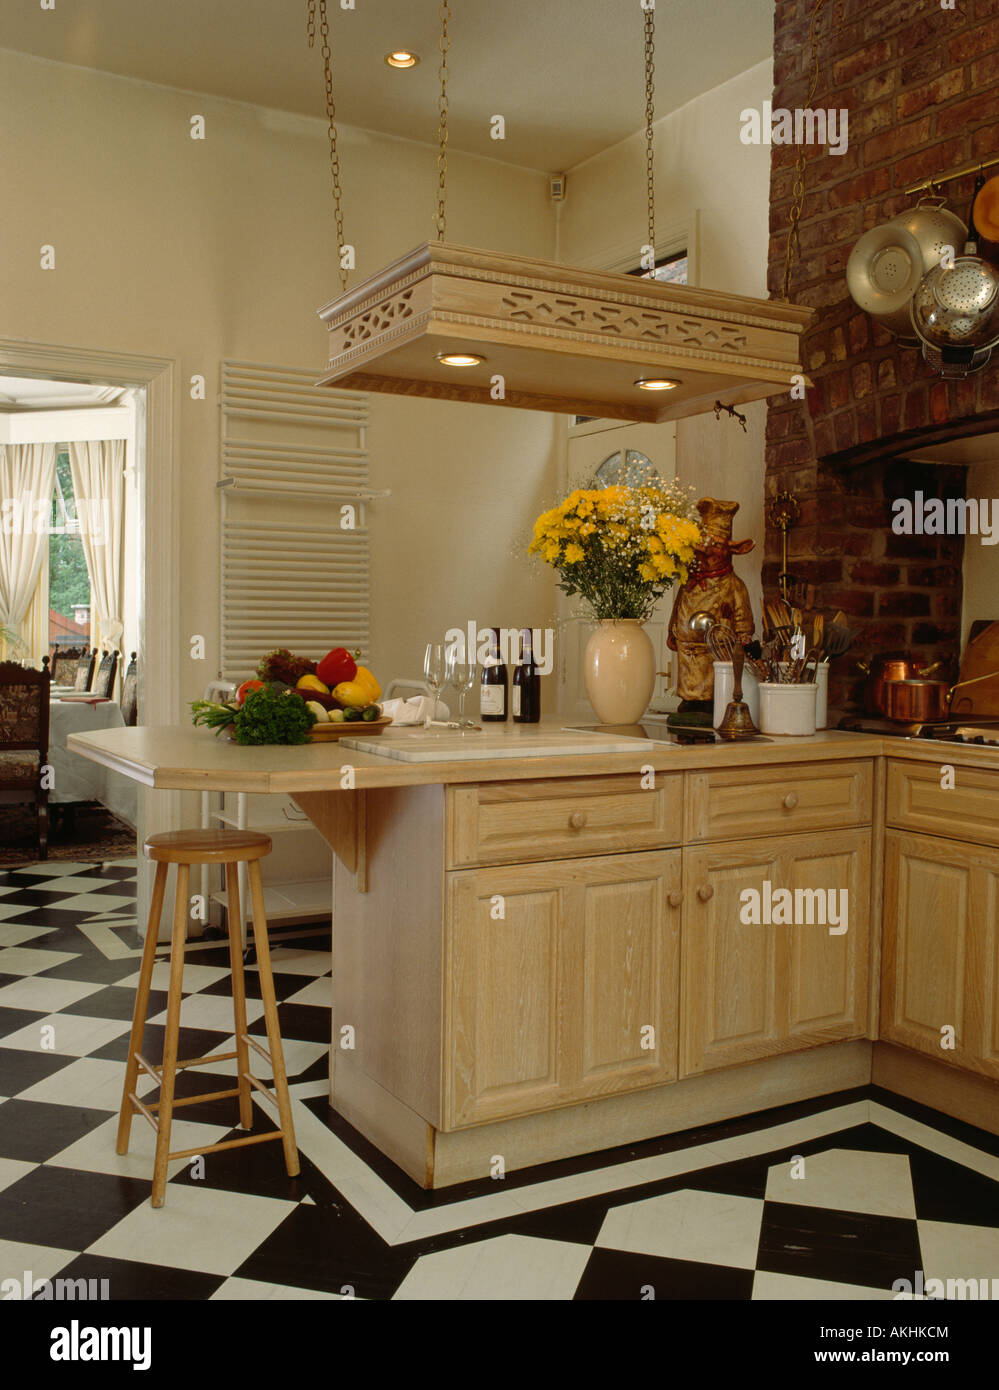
point(311, 683)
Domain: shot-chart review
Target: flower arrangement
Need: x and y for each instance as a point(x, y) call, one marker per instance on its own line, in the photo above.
point(620, 547)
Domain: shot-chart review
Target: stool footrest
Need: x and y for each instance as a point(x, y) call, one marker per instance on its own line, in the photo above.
point(196, 1100)
point(227, 1144)
point(263, 1089)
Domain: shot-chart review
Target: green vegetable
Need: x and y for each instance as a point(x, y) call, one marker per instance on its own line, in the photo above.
point(217, 717)
point(270, 716)
point(371, 713)
point(351, 714)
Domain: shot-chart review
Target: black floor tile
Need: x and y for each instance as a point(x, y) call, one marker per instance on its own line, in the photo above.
point(301, 1022)
point(194, 1042)
point(284, 984)
point(65, 1207)
point(258, 1170)
point(843, 1246)
point(34, 1130)
point(116, 1001)
point(20, 1070)
point(13, 1020)
point(329, 1248)
point(129, 1280)
point(93, 968)
point(619, 1274)
point(947, 1191)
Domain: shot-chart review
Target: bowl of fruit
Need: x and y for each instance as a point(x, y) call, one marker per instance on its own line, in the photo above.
point(297, 700)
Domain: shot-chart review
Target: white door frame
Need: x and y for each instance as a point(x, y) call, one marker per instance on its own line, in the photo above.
point(158, 488)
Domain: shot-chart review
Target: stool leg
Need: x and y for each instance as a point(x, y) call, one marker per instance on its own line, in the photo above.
point(271, 1019)
point(170, 1042)
point(141, 1008)
point(235, 917)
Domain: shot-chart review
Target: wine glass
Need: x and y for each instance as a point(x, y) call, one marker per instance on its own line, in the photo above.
point(435, 671)
point(461, 675)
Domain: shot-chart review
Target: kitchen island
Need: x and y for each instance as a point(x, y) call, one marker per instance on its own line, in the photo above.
point(542, 954)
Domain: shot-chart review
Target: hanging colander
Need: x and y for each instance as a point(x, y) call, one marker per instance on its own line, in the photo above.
point(882, 275)
point(956, 304)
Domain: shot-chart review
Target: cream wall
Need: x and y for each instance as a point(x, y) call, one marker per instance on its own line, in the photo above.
point(707, 180)
point(203, 249)
point(980, 567)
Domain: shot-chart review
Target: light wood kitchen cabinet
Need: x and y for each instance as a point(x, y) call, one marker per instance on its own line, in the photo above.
point(570, 994)
point(940, 953)
point(754, 991)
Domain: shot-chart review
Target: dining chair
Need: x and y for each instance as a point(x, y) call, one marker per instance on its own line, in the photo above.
point(130, 692)
point(85, 669)
point(66, 664)
point(24, 741)
point(104, 680)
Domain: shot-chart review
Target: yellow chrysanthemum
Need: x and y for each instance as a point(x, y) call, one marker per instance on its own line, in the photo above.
point(573, 553)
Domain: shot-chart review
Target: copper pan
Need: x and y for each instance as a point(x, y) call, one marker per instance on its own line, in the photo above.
point(923, 701)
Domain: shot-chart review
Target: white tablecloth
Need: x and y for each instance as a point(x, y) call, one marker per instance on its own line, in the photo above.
point(78, 779)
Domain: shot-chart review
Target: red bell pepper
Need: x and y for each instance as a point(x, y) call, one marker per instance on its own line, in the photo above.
point(336, 666)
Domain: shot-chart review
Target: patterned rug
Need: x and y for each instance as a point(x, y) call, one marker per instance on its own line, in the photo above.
point(90, 836)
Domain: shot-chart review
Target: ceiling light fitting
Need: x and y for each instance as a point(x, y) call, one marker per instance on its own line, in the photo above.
point(402, 58)
point(577, 341)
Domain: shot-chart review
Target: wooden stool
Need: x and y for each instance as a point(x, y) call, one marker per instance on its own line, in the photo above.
point(184, 848)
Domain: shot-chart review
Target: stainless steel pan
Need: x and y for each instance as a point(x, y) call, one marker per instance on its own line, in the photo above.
point(956, 306)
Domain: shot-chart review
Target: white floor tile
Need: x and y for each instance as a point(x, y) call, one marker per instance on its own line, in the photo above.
point(318, 992)
point(63, 868)
point(195, 976)
point(251, 1290)
point(212, 1011)
point(768, 1286)
point(297, 1055)
point(94, 1152)
point(12, 1170)
point(91, 903)
point(93, 1084)
point(43, 995)
point(37, 1261)
point(953, 1251)
point(918, 1133)
point(9, 910)
point(847, 1180)
point(16, 933)
point(208, 1230)
point(73, 1035)
point(506, 1268)
point(21, 960)
point(712, 1227)
point(288, 961)
point(72, 883)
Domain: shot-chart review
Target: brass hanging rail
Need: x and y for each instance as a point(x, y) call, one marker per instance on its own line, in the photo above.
point(957, 174)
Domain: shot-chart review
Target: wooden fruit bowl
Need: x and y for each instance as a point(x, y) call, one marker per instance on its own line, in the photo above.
point(324, 733)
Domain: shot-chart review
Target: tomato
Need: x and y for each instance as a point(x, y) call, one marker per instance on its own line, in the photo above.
point(245, 689)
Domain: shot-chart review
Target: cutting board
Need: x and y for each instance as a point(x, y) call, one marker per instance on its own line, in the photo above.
point(981, 658)
point(447, 745)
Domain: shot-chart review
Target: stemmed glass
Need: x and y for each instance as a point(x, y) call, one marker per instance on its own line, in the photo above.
point(461, 675)
point(435, 672)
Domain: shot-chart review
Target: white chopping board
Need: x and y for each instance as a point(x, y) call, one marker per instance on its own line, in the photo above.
point(449, 745)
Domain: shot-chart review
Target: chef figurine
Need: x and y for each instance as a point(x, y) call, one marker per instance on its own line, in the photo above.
point(712, 587)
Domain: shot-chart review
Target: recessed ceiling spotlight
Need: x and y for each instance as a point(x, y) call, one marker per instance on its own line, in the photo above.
point(459, 359)
point(401, 58)
point(656, 383)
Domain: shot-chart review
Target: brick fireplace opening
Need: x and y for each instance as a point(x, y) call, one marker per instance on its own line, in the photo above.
point(921, 85)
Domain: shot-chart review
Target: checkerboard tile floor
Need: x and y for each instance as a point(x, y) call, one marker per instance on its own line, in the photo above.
point(834, 1199)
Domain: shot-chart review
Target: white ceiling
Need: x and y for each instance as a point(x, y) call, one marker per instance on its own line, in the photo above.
point(30, 393)
point(566, 75)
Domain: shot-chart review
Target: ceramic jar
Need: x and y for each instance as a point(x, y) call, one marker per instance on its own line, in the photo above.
point(619, 670)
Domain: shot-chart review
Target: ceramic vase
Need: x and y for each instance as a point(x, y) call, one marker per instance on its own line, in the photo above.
point(619, 670)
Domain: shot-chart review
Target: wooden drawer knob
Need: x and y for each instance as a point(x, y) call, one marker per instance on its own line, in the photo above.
point(706, 892)
point(791, 800)
point(675, 898)
point(577, 820)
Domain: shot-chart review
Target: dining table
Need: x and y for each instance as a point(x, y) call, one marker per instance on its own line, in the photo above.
point(76, 779)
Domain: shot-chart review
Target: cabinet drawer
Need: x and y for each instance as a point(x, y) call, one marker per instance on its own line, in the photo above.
point(519, 822)
point(747, 802)
point(967, 811)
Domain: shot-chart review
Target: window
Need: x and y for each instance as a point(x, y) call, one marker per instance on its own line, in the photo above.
point(69, 584)
point(671, 269)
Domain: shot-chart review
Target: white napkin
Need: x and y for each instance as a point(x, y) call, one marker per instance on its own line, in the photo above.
point(414, 710)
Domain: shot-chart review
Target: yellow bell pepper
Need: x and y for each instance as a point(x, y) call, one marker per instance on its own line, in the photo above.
point(363, 676)
point(353, 693)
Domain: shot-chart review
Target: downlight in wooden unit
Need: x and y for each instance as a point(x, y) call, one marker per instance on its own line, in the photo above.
point(447, 321)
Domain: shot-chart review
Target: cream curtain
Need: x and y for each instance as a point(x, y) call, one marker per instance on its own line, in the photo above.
point(27, 477)
point(98, 470)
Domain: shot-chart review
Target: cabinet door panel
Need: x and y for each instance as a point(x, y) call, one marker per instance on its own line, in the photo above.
point(547, 1005)
point(829, 969)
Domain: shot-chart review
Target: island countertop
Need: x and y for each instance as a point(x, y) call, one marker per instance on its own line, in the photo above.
point(186, 758)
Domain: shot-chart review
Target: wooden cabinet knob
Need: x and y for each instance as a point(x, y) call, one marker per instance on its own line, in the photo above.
point(706, 892)
point(791, 800)
point(577, 820)
point(675, 898)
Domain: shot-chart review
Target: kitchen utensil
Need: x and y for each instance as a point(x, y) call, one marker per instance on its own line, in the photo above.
point(890, 666)
point(822, 695)
point(883, 273)
point(934, 227)
point(914, 701)
point(987, 209)
point(753, 673)
point(957, 305)
point(358, 728)
point(701, 623)
point(836, 640)
point(722, 642)
point(788, 709)
point(737, 722)
point(981, 656)
point(956, 362)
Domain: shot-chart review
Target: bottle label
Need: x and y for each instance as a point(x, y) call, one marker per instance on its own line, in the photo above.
point(516, 700)
point(492, 699)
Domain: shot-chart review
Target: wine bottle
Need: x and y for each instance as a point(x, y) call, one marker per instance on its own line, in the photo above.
point(493, 688)
point(526, 683)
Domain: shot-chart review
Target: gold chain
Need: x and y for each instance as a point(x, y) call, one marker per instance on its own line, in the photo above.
point(650, 116)
point(444, 45)
point(324, 29)
point(792, 248)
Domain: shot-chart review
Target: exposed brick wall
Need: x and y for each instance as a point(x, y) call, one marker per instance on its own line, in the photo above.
point(921, 85)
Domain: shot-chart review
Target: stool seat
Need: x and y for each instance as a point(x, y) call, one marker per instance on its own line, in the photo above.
point(206, 846)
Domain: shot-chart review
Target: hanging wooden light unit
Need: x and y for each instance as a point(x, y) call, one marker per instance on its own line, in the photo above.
point(452, 323)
